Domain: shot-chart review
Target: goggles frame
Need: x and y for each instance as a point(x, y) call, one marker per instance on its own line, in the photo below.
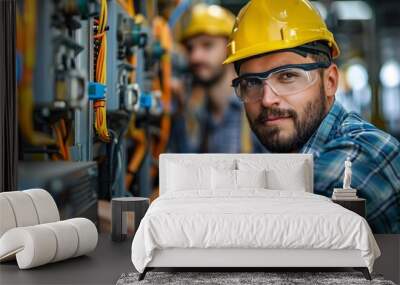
point(265, 75)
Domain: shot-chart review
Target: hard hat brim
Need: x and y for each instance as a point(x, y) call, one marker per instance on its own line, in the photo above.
point(260, 49)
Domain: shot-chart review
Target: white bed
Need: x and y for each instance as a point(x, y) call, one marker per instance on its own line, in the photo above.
point(217, 224)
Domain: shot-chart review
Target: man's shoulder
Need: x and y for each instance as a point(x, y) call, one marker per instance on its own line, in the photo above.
point(357, 130)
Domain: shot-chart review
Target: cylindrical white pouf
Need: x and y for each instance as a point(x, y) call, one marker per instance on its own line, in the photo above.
point(45, 205)
point(34, 245)
point(67, 240)
point(23, 208)
point(7, 218)
point(87, 234)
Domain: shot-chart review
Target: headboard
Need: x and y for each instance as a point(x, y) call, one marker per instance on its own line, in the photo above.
point(211, 157)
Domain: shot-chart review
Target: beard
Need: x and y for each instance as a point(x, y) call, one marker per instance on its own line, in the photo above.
point(304, 128)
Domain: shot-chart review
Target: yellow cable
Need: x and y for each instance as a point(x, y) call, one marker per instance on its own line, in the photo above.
point(26, 44)
point(101, 75)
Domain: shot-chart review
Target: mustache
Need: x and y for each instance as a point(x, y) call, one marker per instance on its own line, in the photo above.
point(276, 112)
point(195, 66)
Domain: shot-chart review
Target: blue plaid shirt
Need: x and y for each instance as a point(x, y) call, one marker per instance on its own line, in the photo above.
point(375, 157)
point(223, 136)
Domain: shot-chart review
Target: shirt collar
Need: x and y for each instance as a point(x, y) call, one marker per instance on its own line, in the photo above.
point(234, 106)
point(322, 135)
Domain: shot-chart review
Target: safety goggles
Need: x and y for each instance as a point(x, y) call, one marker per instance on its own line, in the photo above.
point(283, 80)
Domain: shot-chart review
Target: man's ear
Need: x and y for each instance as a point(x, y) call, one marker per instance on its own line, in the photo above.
point(331, 80)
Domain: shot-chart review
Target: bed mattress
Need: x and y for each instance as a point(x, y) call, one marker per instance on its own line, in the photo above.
point(251, 219)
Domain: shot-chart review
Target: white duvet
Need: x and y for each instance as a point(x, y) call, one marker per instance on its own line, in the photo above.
point(253, 218)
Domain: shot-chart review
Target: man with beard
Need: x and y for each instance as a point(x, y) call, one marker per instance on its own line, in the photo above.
point(282, 52)
point(217, 122)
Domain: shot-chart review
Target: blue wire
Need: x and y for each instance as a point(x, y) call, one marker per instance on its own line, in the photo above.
point(178, 12)
point(19, 67)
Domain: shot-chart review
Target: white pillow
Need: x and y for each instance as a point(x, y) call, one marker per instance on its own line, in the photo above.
point(199, 161)
point(291, 178)
point(251, 178)
point(182, 177)
point(223, 179)
point(227, 179)
point(281, 174)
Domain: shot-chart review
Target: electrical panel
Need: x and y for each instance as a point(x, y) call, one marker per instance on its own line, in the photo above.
point(125, 40)
point(93, 88)
point(59, 82)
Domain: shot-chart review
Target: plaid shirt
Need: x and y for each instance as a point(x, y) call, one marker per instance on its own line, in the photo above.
point(223, 136)
point(375, 157)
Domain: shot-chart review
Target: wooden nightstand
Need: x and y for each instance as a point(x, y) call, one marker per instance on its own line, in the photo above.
point(357, 205)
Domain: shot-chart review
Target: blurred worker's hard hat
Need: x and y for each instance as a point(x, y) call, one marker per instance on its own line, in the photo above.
point(207, 19)
point(264, 26)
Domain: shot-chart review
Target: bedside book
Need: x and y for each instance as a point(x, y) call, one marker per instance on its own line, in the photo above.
point(344, 198)
point(344, 194)
point(341, 190)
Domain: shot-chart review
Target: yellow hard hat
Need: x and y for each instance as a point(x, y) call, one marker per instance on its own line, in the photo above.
point(208, 19)
point(264, 26)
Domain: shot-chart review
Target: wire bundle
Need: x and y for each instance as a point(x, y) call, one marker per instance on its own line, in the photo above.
point(101, 73)
point(62, 134)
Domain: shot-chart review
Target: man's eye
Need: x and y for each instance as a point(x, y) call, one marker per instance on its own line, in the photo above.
point(208, 45)
point(250, 83)
point(287, 76)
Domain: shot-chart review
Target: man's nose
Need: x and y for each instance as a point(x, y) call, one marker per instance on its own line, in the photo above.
point(269, 98)
point(196, 55)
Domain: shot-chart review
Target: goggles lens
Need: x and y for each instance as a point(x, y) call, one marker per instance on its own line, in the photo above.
point(285, 80)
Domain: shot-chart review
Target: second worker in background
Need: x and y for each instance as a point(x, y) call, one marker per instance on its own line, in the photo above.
point(214, 117)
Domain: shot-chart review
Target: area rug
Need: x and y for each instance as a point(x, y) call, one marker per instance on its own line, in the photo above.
point(229, 278)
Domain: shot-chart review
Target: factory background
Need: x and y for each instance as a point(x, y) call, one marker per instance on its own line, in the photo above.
point(89, 90)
